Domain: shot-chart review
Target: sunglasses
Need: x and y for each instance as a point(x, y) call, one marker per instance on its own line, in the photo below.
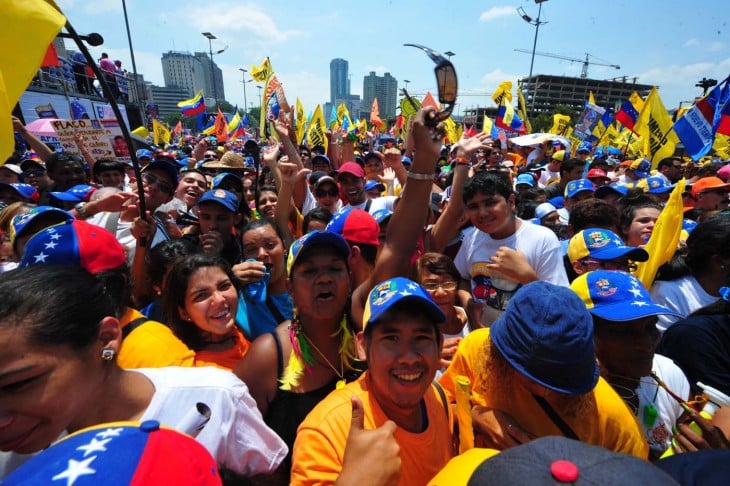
point(327, 192)
point(153, 180)
point(446, 82)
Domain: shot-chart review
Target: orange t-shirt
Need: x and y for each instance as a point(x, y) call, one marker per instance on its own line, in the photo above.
point(228, 358)
point(320, 445)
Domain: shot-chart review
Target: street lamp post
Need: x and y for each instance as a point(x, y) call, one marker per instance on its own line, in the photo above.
point(138, 94)
point(210, 38)
point(243, 80)
point(260, 100)
point(537, 23)
point(406, 81)
point(449, 54)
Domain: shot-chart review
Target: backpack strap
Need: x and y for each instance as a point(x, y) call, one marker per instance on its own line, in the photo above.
point(132, 326)
point(443, 398)
point(557, 420)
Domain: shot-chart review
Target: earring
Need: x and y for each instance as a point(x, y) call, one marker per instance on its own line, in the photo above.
point(107, 354)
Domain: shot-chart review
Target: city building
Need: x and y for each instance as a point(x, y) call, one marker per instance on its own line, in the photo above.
point(166, 98)
point(385, 89)
point(193, 72)
point(339, 79)
point(544, 92)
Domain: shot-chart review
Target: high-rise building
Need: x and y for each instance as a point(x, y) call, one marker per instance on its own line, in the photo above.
point(385, 89)
point(193, 73)
point(339, 79)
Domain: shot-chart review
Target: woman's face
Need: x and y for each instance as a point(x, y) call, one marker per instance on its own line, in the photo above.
point(264, 245)
point(442, 289)
point(44, 390)
point(267, 204)
point(211, 301)
point(638, 233)
point(320, 284)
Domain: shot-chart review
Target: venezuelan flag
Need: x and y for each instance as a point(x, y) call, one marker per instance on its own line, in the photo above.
point(508, 119)
point(194, 106)
point(629, 112)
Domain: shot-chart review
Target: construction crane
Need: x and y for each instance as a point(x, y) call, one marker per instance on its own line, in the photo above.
point(586, 61)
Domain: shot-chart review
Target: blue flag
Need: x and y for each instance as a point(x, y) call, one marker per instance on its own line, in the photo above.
point(697, 128)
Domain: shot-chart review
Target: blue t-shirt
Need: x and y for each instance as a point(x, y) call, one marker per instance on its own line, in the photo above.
point(255, 318)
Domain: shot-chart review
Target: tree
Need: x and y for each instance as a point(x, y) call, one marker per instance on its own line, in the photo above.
point(254, 115)
point(225, 107)
point(171, 119)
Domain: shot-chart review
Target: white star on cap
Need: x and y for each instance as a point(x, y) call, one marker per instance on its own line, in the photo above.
point(639, 303)
point(110, 433)
point(74, 470)
point(51, 245)
point(40, 258)
point(618, 242)
point(405, 293)
point(55, 236)
point(636, 291)
point(412, 286)
point(94, 446)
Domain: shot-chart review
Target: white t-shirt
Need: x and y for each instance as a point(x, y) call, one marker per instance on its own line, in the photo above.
point(541, 248)
point(236, 435)
point(683, 295)
point(547, 175)
point(385, 202)
point(124, 234)
point(651, 395)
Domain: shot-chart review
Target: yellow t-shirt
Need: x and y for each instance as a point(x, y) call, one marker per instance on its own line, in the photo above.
point(321, 438)
point(611, 425)
point(151, 345)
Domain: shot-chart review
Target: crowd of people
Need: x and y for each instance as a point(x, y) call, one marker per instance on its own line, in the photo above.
point(330, 308)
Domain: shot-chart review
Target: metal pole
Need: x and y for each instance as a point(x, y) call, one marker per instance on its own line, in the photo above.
point(212, 71)
point(532, 60)
point(243, 80)
point(140, 98)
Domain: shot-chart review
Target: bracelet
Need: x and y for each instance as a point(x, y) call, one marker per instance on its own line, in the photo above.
point(419, 176)
point(461, 161)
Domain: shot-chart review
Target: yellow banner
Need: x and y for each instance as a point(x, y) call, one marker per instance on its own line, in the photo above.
point(316, 132)
point(160, 132)
point(300, 120)
point(560, 124)
point(655, 126)
point(522, 110)
point(504, 90)
point(263, 72)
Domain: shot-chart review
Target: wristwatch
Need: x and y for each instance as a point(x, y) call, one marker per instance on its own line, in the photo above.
point(81, 210)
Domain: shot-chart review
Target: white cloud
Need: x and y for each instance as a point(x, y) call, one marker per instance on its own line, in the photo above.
point(716, 46)
point(496, 12)
point(232, 18)
point(492, 79)
point(691, 43)
point(677, 82)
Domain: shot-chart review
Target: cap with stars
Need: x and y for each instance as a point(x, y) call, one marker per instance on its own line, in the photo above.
point(75, 243)
point(399, 289)
point(616, 296)
point(602, 244)
point(121, 453)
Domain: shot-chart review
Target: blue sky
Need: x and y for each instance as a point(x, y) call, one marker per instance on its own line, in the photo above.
point(669, 44)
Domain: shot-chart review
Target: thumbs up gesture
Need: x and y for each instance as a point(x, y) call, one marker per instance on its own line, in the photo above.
point(371, 456)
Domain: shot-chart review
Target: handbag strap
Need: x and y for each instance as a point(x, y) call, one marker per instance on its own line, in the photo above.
point(557, 420)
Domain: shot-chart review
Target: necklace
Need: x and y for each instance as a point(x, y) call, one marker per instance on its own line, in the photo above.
point(340, 374)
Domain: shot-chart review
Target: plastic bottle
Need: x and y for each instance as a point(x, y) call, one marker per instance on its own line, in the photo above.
point(256, 291)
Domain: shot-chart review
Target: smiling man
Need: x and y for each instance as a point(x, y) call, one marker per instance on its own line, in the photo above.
point(394, 397)
point(352, 179)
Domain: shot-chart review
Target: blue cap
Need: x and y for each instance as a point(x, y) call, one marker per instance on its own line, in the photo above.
point(225, 198)
point(165, 164)
point(370, 185)
point(525, 179)
point(21, 221)
point(142, 153)
point(315, 238)
point(578, 185)
point(658, 185)
point(616, 296)
point(546, 334)
point(557, 201)
point(226, 176)
point(602, 244)
point(543, 210)
point(381, 215)
point(584, 147)
point(406, 160)
point(615, 188)
point(388, 293)
point(26, 191)
point(643, 168)
point(689, 225)
point(81, 192)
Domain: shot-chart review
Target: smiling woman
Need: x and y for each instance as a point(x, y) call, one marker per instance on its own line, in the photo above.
point(58, 372)
point(201, 300)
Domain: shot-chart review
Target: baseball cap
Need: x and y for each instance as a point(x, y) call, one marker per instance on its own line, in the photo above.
point(615, 188)
point(578, 185)
point(707, 466)
point(370, 185)
point(557, 201)
point(351, 168)
point(602, 244)
point(225, 198)
point(388, 293)
point(641, 166)
point(12, 168)
point(355, 225)
point(320, 158)
point(381, 215)
point(299, 246)
point(705, 184)
point(559, 155)
point(322, 180)
point(166, 165)
point(546, 334)
point(26, 191)
point(121, 453)
point(536, 166)
point(228, 179)
point(406, 160)
point(49, 214)
point(78, 193)
point(550, 460)
point(544, 209)
point(75, 243)
point(584, 147)
point(658, 185)
point(144, 153)
point(29, 164)
point(525, 179)
point(616, 296)
point(596, 174)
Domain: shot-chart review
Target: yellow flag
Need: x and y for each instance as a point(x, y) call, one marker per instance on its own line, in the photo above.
point(522, 110)
point(664, 237)
point(560, 124)
point(29, 26)
point(141, 131)
point(317, 128)
point(450, 129)
point(655, 126)
point(263, 72)
point(504, 90)
point(609, 136)
point(160, 132)
point(487, 125)
point(721, 146)
point(591, 99)
point(301, 120)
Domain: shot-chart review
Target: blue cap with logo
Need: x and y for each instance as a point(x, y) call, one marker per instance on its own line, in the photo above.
point(525, 179)
point(225, 198)
point(399, 289)
point(578, 185)
point(602, 244)
point(658, 185)
point(78, 193)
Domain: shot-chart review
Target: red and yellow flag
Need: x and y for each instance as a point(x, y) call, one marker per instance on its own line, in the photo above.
point(375, 114)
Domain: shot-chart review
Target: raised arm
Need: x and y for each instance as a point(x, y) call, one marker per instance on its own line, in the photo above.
point(38, 147)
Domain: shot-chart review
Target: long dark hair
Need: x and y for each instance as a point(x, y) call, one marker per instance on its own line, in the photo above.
point(176, 287)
